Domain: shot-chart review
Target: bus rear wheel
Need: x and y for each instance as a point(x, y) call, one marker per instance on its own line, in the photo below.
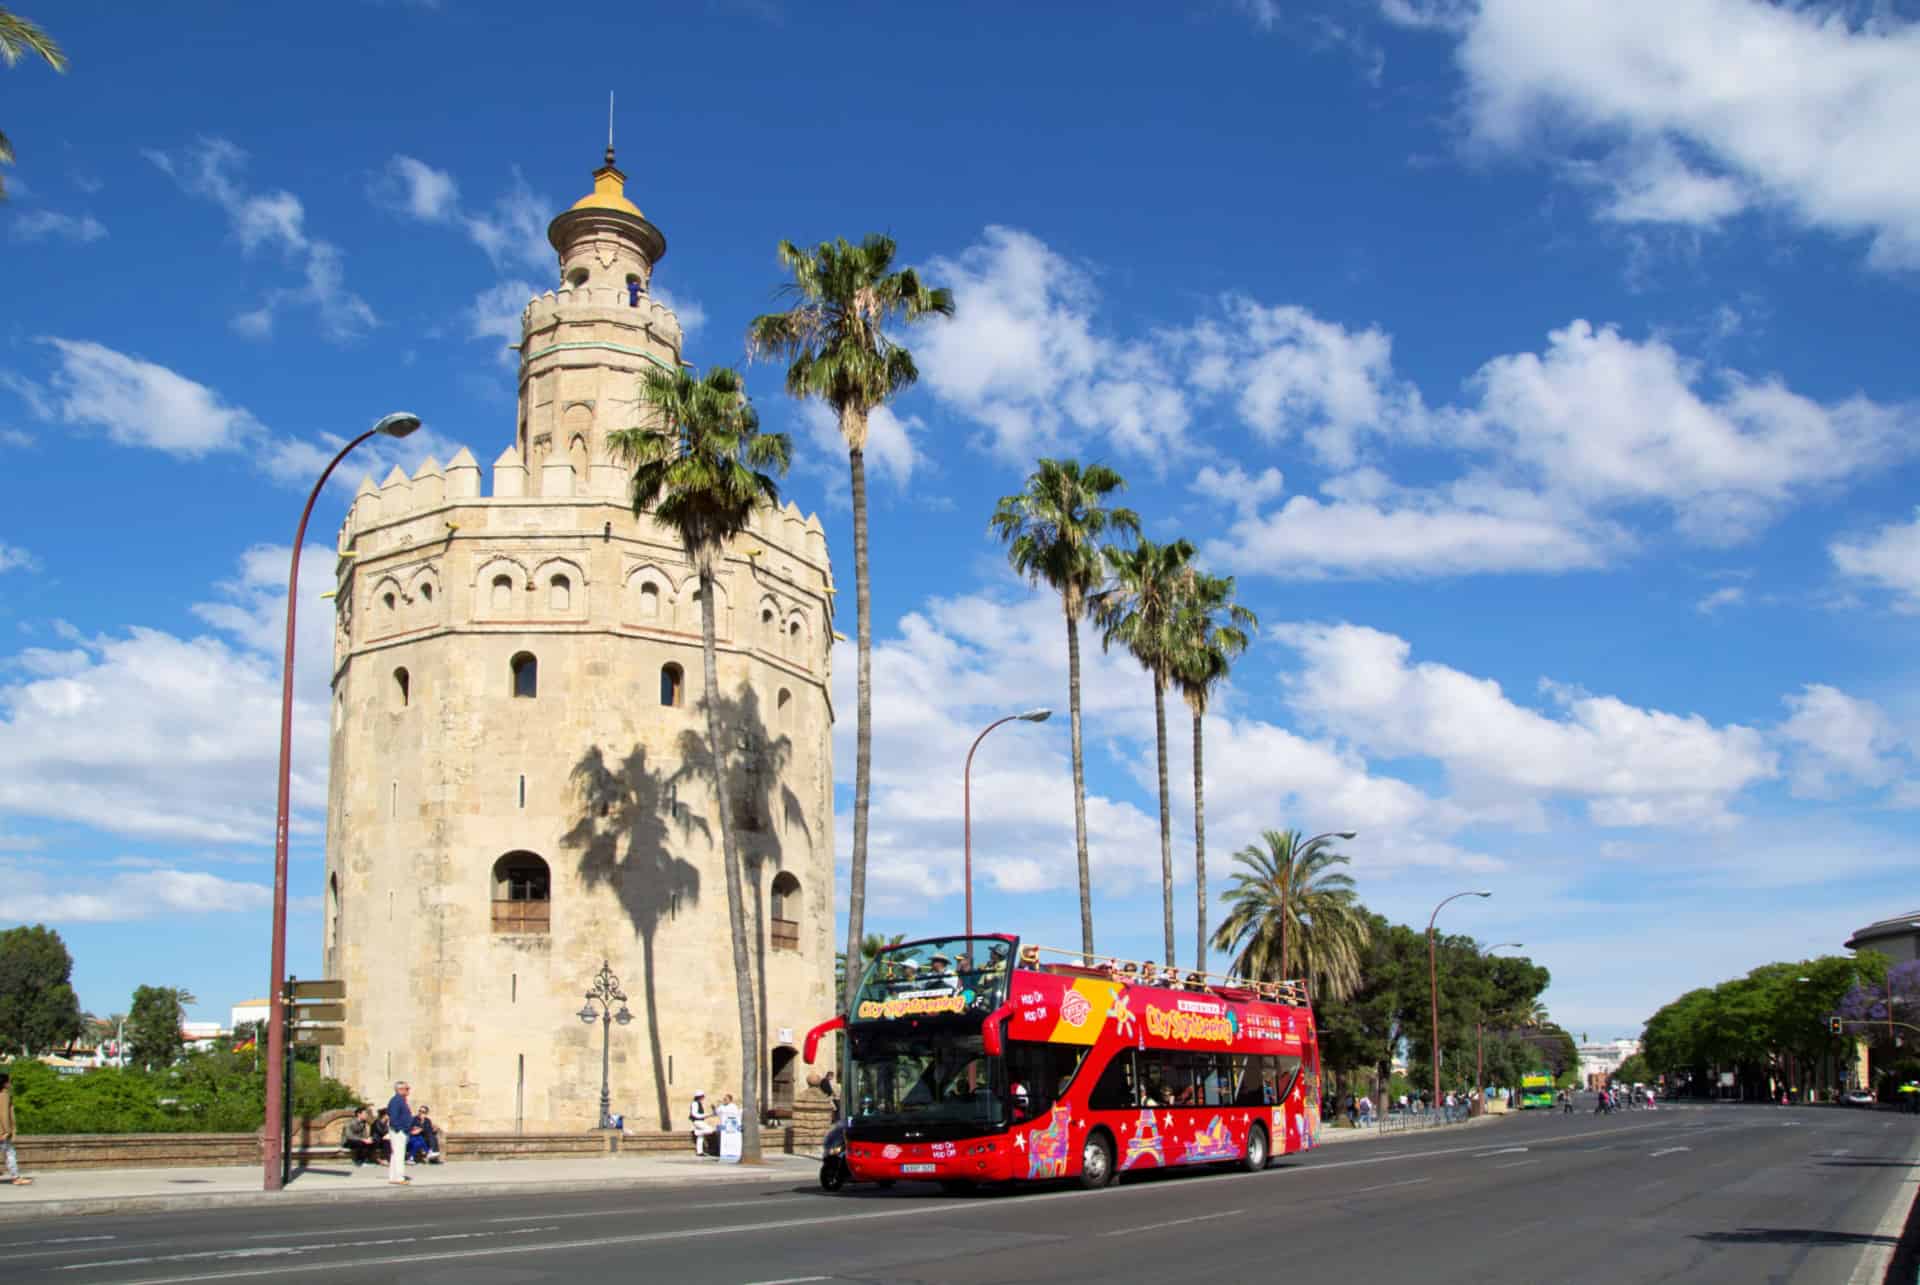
point(1256, 1158)
point(1096, 1162)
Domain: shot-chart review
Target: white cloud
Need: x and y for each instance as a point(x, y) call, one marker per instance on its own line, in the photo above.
point(1726, 596)
point(274, 220)
point(687, 311)
point(513, 233)
point(1021, 358)
point(33, 896)
point(1235, 488)
point(140, 403)
point(415, 188)
point(495, 314)
point(1818, 120)
point(15, 558)
point(891, 455)
point(149, 734)
point(1888, 558)
point(44, 225)
point(1838, 739)
point(1630, 766)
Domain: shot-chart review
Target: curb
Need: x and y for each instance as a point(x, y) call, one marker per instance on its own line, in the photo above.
point(11, 1211)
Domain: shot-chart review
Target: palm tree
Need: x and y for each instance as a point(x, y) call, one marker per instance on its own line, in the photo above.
point(702, 471)
point(1211, 631)
point(1052, 530)
point(836, 347)
point(1288, 884)
point(1137, 612)
point(870, 946)
point(19, 36)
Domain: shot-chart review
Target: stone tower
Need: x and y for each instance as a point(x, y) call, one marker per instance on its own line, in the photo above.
point(520, 783)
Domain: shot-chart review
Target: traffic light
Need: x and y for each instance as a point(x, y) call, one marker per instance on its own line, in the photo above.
point(1833, 1026)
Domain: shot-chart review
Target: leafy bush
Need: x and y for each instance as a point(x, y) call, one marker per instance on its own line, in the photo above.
point(219, 1092)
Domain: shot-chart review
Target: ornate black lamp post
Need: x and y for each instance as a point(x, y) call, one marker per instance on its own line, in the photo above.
point(606, 993)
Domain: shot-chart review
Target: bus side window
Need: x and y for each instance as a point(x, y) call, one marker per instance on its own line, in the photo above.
point(1250, 1092)
point(1114, 1090)
point(1287, 1071)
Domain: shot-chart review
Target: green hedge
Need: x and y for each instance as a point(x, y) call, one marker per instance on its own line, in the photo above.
point(205, 1093)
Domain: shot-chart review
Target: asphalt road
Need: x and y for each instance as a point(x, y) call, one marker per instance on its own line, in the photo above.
point(1738, 1194)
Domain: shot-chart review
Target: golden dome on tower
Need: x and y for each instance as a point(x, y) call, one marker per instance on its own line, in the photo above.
point(609, 191)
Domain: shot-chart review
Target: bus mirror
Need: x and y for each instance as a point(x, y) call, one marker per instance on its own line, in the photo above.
point(813, 1036)
point(990, 1042)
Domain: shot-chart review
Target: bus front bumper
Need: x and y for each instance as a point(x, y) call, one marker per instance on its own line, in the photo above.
point(973, 1160)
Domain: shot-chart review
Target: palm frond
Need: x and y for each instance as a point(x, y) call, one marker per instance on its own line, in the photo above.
point(20, 36)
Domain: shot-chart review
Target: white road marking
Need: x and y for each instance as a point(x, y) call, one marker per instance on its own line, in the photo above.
point(792, 1280)
point(1667, 1151)
point(57, 1240)
point(701, 1208)
point(1410, 1182)
point(1516, 1164)
point(1504, 1151)
point(1177, 1222)
point(1878, 1253)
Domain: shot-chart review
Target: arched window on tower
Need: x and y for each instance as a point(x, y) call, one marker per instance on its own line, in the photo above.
point(402, 687)
point(793, 640)
point(522, 895)
point(784, 903)
point(768, 629)
point(560, 594)
point(649, 602)
point(783, 711)
point(526, 675)
point(502, 593)
point(673, 685)
point(333, 911)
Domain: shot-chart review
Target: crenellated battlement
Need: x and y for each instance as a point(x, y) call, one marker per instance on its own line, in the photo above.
point(600, 303)
point(400, 500)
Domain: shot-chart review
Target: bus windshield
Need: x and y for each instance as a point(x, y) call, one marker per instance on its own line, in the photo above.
point(927, 1076)
point(947, 975)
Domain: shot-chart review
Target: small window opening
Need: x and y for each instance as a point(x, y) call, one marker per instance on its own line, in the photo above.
point(401, 686)
point(560, 594)
point(503, 593)
point(649, 602)
point(526, 676)
point(783, 710)
point(426, 593)
point(393, 799)
point(673, 682)
point(577, 277)
point(523, 791)
point(784, 902)
point(388, 600)
point(522, 895)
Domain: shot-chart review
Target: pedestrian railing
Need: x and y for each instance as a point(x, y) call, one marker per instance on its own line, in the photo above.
point(1411, 1121)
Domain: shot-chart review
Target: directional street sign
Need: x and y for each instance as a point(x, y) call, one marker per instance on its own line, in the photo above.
point(320, 1013)
point(333, 1036)
point(318, 990)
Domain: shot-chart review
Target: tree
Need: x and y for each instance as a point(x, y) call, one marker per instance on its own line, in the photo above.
point(701, 469)
point(870, 946)
point(836, 347)
point(18, 37)
point(1294, 915)
point(38, 1009)
point(1053, 530)
point(1211, 631)
point(154, 1038)
point(1136, 611)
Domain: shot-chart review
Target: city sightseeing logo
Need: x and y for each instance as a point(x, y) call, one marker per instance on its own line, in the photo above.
point(914, 1006)
point(1167, 1024)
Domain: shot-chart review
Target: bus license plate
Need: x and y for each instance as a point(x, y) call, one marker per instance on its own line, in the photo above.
point(918, 1168)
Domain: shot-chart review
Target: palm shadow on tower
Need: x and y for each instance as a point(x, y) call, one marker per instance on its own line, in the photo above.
point(628, 817)
point(765, 808)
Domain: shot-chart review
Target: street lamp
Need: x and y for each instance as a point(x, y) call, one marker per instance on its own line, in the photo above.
point(606, 993)
point(1480, 1043)
point(966, 795)
point(398, 424)
point(1286, 889)
point(1433, 981)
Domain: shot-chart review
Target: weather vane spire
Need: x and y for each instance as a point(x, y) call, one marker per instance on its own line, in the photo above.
point(609, 127)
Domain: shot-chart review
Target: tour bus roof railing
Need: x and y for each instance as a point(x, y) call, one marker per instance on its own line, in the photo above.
point(1149, 973)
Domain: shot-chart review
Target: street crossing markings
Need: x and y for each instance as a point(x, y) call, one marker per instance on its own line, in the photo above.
point(1177, 1222)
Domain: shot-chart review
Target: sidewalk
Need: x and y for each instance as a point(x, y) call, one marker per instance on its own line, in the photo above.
point(63, 1192)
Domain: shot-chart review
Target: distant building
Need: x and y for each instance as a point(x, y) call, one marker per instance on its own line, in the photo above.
point(250, 1010)
point(1598, 1062)
point(199, 1036)
point(1897, 938)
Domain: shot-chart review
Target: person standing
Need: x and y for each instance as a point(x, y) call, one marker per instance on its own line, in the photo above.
point(7, 1132)
point(704, 1120)
point(400, 1129)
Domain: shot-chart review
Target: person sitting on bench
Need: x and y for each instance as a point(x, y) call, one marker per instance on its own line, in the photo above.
point(358, 1138)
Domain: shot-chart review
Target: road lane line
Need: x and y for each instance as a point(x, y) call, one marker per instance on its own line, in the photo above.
point(1504, 1151)
point(1667, 1151)
point(1410, 1182)
point(57, 1240)
point(1877, 1256)
point(792, 1280)
point(700, 1208)
point(1177, 1222)
point(1516, 1164)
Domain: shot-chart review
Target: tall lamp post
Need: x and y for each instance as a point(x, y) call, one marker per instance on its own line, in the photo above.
point(966, 795)
point(1480, 1043)
point(398, 424)
point(1433, 982)
point(606, 993)
point(1286, 890)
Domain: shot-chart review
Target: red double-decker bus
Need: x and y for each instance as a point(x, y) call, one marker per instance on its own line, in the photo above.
point(971, 1060)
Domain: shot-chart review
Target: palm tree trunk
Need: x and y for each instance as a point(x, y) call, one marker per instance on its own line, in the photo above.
point(1166, 815)
point(736, 902)
point(1199, 842)
point(863, 736)
point(1079, 786)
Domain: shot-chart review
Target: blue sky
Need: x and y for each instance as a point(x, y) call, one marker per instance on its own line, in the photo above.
point(1543, 371)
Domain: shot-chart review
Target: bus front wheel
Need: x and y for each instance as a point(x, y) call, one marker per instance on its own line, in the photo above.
point(1096, 1162)
point(1256, 1158)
